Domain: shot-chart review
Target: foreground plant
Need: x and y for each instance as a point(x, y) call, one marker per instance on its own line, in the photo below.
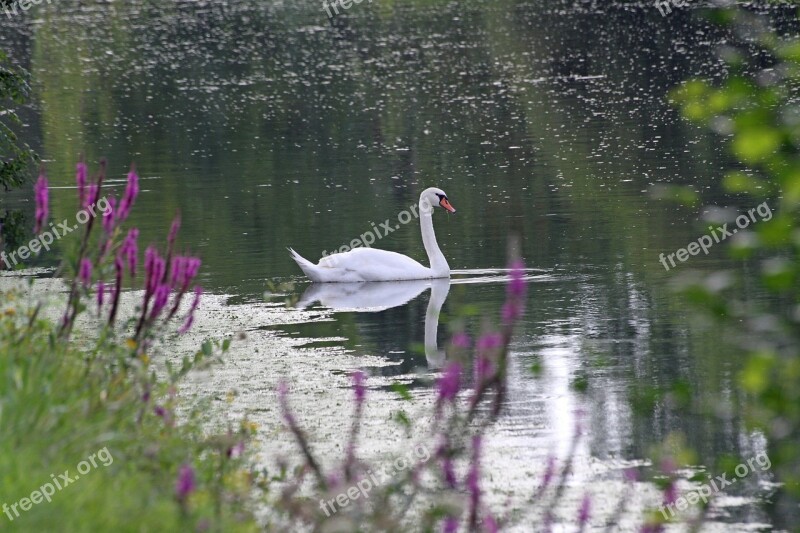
point(439, 487)
point(61, 401)
point(753, 110)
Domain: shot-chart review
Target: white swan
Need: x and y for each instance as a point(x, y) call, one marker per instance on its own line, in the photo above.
point(369, 264)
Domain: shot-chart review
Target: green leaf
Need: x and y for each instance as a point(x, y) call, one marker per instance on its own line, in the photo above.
point(207, 348)
point(756, 144)
point(401, 390)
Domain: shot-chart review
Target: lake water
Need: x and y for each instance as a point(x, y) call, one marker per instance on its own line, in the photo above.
point(268, 127)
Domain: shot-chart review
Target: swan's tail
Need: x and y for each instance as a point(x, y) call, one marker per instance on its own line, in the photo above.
point(306, 265)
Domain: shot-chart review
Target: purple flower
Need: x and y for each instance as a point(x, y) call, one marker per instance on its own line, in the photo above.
point(128, 199)
point(511, 312)
point(42, 202)
point(450, 525)
point(130, 250)
point(334, 480)
point(161, 296)
point(94, 192)
point(85, 272)
point(178, 273)
point(358, 386)
point(484, 368)
point(108, 216)
point(192, 267)
point(583, 513)
point(670, 493)
point(461, 340)
point(198, 292)
point(185, 484)
point(449, 383)
point(154, 267)
point(516, 287)
point(490, 341)
point(80, 179)
point(631, 475)
point(490, 524)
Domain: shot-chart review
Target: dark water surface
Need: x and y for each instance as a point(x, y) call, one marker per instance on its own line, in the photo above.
point(269, 127)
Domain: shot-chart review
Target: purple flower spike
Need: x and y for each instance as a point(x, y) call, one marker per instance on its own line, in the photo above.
point(484, 369)
point(185, 484)
point(583, 513)
point(512, 311)
point(154, 267)
point(450, 525)
point(130, 250)
point(81, 172)
point(358, 386)
point(192, 267)
point(670, 493)
point(489, 342)
point(129, 198)
point(42, 202)
point(198, 292)
point(516, 287)
point(108, 216)
point(85, 272)
point(461, 340)
point(91, 198)
point(449, 384)
point(179, 264)
point(160, 300)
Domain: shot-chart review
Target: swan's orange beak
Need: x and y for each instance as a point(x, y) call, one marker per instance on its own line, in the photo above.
point(444, 202)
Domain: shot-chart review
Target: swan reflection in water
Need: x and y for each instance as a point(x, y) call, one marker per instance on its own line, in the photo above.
point(372, 297)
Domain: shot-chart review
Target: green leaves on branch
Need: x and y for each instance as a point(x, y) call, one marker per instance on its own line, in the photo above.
point(15, 158)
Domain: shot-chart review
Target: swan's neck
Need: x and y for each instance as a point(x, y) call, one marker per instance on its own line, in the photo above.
point(436, 258)
point(439, 290)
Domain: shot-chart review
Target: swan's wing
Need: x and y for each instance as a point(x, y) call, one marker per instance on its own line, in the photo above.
point(370, 264)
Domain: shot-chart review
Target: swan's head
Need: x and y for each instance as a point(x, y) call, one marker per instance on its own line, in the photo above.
point(434, 197)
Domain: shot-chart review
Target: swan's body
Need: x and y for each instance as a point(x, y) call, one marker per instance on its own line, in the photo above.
point(369, 264)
